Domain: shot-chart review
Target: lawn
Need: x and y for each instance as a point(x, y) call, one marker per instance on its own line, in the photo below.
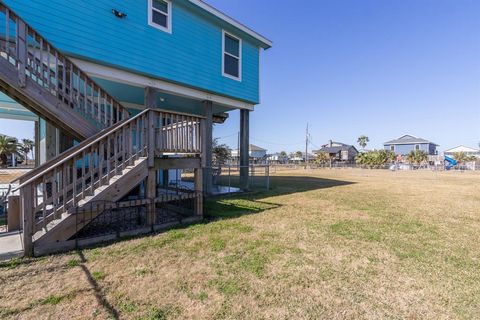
point(326, 244)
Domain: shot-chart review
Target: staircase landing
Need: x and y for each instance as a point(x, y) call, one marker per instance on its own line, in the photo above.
point(11, 246)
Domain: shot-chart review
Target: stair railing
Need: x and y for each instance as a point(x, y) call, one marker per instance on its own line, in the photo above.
point(52, 190)
point(36, 58)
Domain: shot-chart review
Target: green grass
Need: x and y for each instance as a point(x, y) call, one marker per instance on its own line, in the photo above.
point(347, 244)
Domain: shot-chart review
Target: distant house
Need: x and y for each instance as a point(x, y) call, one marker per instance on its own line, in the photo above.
point(407, 143)
point(339, 152)
point(297, 158)
point(256, 153)
point(277, 158)
point(471, 152)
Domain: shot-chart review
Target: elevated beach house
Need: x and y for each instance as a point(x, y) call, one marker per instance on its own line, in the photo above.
point(339, 152)
point(407, 143)
point(121, 92)
point(256, 154)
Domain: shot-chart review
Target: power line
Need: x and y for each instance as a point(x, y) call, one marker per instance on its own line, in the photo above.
point(228, 136)
point(278, 144)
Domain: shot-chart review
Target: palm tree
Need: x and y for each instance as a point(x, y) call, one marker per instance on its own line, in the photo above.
point(417, 157)
point(26, 147)
point(362, 141)
point(322, 157)
point(8, 147)
point(460, 157)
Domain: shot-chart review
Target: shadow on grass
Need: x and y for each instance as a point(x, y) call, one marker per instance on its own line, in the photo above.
point(218, 208)
point(99, 295)
point(252, 202)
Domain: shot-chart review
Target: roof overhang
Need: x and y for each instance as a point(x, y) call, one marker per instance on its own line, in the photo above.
point(222, 16)
point(134, 79)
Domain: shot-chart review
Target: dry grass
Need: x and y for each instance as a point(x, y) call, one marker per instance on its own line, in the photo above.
point(334, 244)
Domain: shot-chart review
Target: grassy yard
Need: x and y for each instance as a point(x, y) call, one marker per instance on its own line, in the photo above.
point(331, 244)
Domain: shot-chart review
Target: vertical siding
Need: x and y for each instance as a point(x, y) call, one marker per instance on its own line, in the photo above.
point(191, 55)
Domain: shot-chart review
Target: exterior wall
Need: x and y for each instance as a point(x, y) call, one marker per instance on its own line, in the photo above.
point(258, 154)
point(404, 149)
point(191, 55)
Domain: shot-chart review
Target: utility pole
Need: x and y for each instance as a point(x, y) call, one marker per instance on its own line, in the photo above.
point(306, 148)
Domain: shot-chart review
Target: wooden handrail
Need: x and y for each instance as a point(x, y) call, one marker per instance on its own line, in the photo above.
point(72, 152)
point(36, 58)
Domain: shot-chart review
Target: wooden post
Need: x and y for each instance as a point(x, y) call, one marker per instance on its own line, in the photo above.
point(37, 142)
point(244, 148)
point(149, 97)
point(27, 195)
point(151, 194)
point(22, 53)
point(207, 137)
point(14, 210)
point(199, 192)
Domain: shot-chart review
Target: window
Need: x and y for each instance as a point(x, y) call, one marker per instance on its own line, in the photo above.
point(392, 148)
point(417, 147)
point(232, 57)
point(160, 14)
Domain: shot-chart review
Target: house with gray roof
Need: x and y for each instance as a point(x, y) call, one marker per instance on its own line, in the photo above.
point(408, 143)
point(339, 152)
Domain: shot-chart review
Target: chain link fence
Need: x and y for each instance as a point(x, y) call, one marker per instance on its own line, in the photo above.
point(226, 178)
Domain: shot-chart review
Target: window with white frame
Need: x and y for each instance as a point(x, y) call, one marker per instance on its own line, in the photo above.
point(232, 57)
point(417, 147)
point(160, 14)
point(392, 148)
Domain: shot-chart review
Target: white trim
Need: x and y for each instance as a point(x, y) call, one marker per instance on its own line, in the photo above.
point(232, 21)
point(224, 52)
point(168, 29)
point(137, 80)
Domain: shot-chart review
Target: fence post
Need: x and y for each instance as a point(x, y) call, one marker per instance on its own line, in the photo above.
point(267, 173)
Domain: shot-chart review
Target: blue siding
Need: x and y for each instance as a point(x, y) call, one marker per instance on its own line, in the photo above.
point(404, 149)
point(191, 55)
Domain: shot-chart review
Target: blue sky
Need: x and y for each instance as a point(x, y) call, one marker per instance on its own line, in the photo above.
point(383, 68)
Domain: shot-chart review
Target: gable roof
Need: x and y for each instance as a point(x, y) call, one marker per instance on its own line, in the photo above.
point(344, 147)
point(253, 147)
point(222, 16)
point(408, 139)
point(335, 143)
point(462, 149)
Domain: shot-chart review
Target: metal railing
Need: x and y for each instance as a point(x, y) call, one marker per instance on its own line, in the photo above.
point(104, 218)
point(36, 58)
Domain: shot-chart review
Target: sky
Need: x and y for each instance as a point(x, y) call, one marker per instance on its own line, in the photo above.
point(383, 68)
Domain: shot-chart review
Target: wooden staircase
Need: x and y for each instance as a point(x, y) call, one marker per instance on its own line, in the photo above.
point(106, 166)
point(43, 80)
point(116, 152)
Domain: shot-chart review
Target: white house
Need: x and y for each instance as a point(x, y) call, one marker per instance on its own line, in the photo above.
point(467, 150)
point(255, 153)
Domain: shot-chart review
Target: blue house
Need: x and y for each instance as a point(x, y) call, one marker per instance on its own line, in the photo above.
point(407, 143)
point(121, 93)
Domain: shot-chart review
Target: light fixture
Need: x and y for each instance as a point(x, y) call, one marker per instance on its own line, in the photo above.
point(119, 14)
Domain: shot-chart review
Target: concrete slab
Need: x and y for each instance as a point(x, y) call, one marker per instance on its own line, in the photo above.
point(11, 245)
